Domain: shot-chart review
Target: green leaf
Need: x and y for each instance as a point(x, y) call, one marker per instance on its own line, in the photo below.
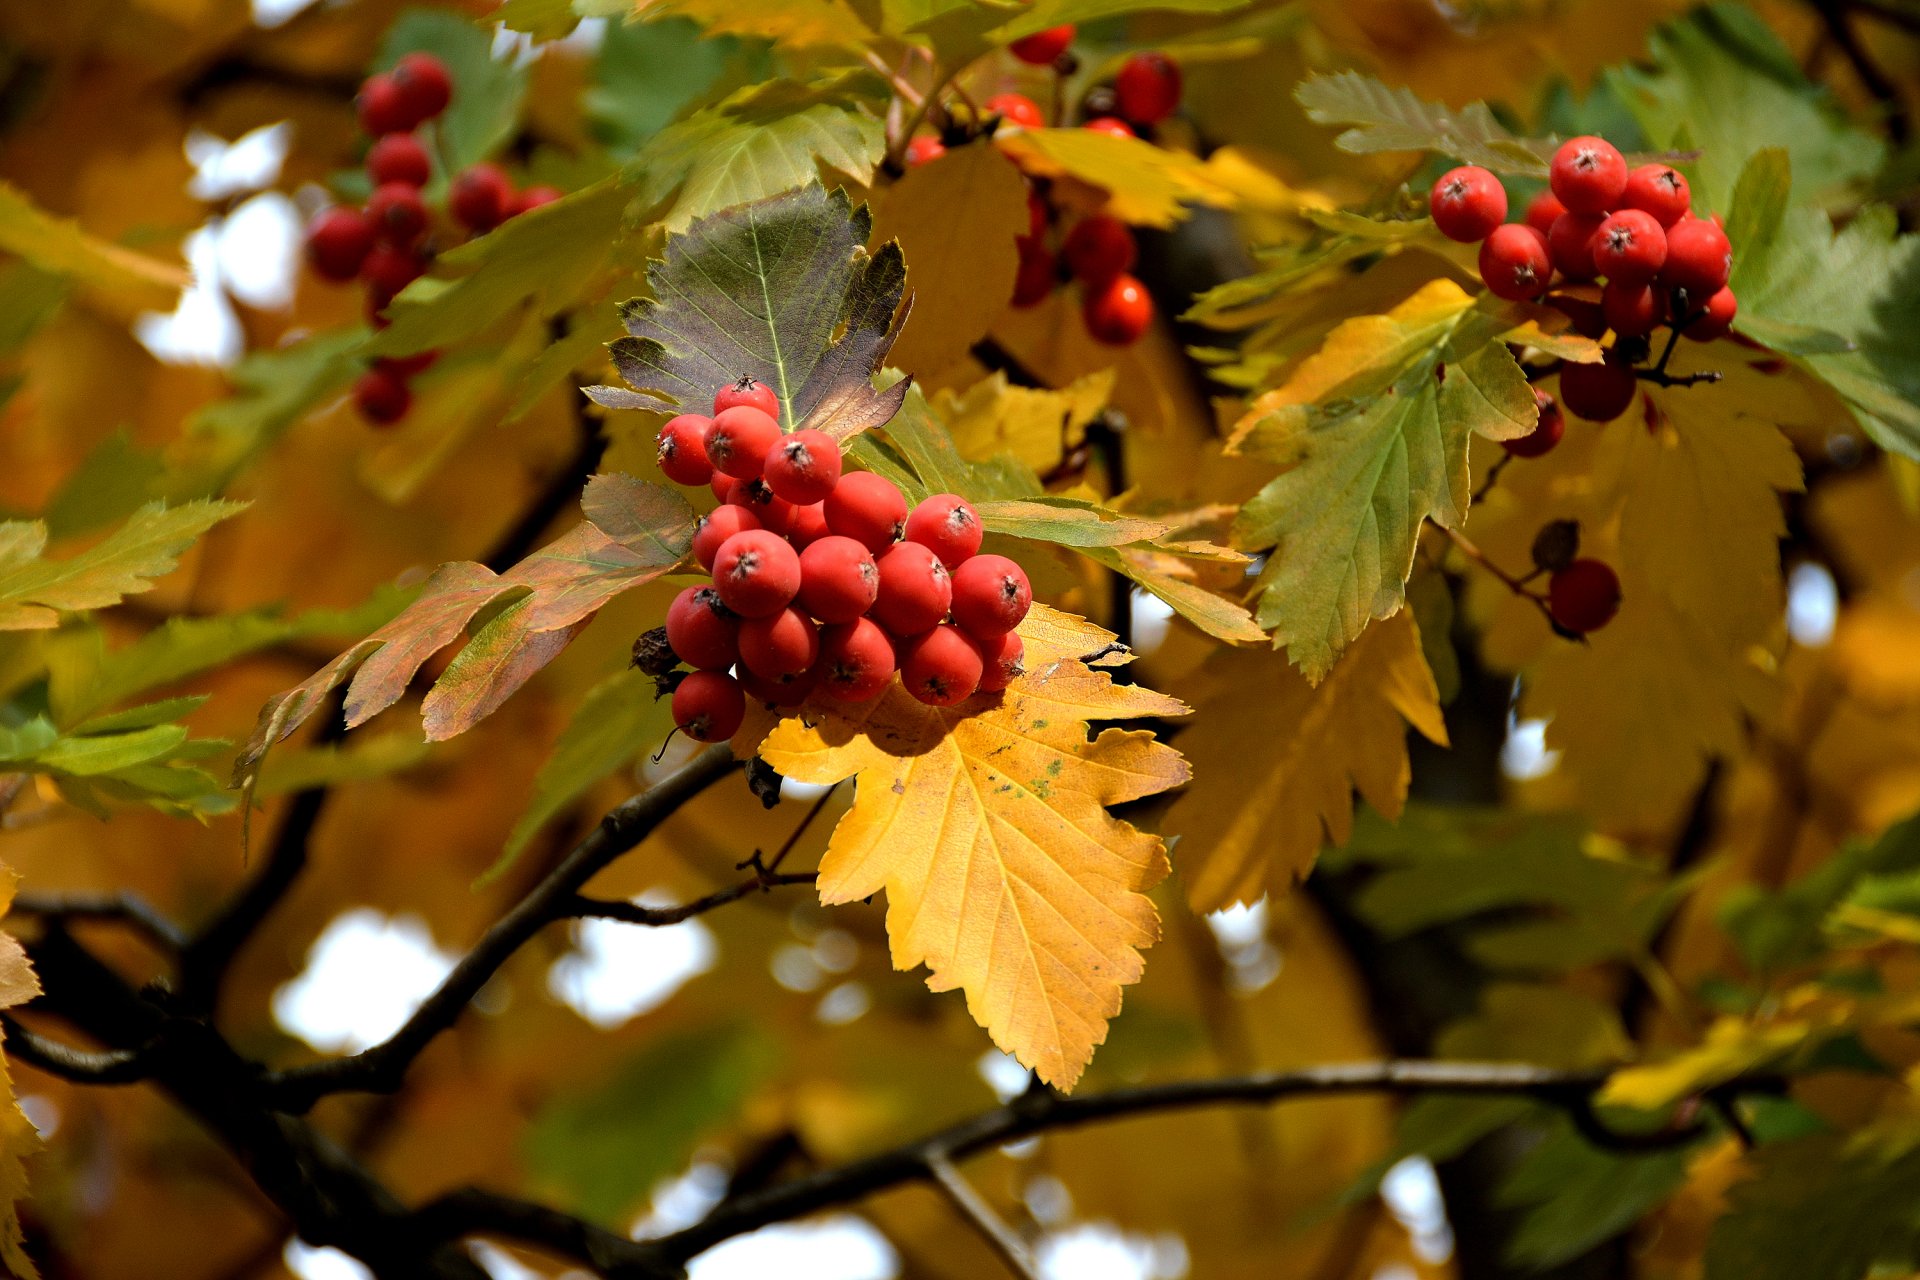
point(140, 717)
point(1783, 929)
point(1575, 1195)
point(273, 390)
point(59, 247)
point(108, 752)
point(115, 479)
point(1828, 1207)
point(649, 72)
point(1067, 522)
point(487, 92)
point(29, 298)
point(1386, 118)
point(34, 591)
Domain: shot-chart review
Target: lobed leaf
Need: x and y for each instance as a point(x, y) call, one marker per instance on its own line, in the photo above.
point(1389, 118)
point(34, 591)
point(59, 247)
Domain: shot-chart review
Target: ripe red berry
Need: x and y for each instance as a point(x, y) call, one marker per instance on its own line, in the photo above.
point(703, 632)
point(1513, 262)
point(388, 270)
point(1042, 47)
point(480, 197)
point(915, 589)
point(990, 596)
point(1715, 319)
point(740, 439)
point(709, 706)
point(1098, 249)
point(867, 508)
point(425, 85)
point(407, 366)
point(748, 390)
point(1589, 175)
point(924, 149)
point(781, 645)
point(806, 525)
point(1015, 109)
point(838, 579)
point(1543, 211)
point(381, 397)
point(1699, 259)
point(757, 572)
point(338, 242)
point(1570, 244)
point(399, 157)
point(947, 525)
point(1468, 203)
point(856, 660)
point(1035, 278)
point(1660, 191)
point(1546, 432)
point(716, 527)
point(1630, 247)
point(399, 215)
point(804, 467)
point(722, 484)
point(1038, 215)
point(1632, 310)
point(532, 198)
point(1147, 88)
point(1111, 126)
point(1584, 596)
point(1586, 317)
point(1598, 392)
point(382, 107)
point(1118, 312)
point(940, 667)
point(682, 449)
point(1000, 661)
point(775, 513)
point(789, 692)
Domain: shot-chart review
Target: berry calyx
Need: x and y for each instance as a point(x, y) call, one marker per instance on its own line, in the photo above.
point(1570, 244)
point(1584, 596)
point(947, 525)
point(1660, 191)
point(709, 706)
point(425, 85)
point(702, 631)
point(856, 660)
point(1543, 211)
point(382, 397)
point(804, 467)
point(1514, 263)
point(757, 572)
point(1015, 109)
point(1588, 174)
point(779, 646)
point(747, 390)
point(1715, 319)
point(1033, 282)
point(682, 449)
point(1699, 259)
point(1147, 89)
point(991, 595)
point(1098, 249)
point(1118, 312)
point(1112, 126)
point(740, 439)
point(382, 107)
point(1467, 204)
point(867, 508)
point(1632, 310)
point(1598, 392)
point(399, 157)
point(1546, 433)
point(1042, 47)
point(1000, 661)
point(838, 579)
point(480, 197)
point(915, 589)
point(924, 150)
point(1630, 247)
point(940, 667)
point(399, 215)
point(716, 527)
point(338, 242)
point(775, 513)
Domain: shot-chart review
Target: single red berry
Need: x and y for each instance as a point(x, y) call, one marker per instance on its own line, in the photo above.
point(407, 366)
point(1000, 660)
point(1632, 310)
point(748, 390)
point(1598, 392)
point(722, 484)
point(1588, 320)
point(702, 631)
point(1543, 211)
point(867, 508)
point(1147, 88)
point(856, 660)
point(425, 84)
point(789, 692)
point(709, 706)
point(838, 579)
point(1042, 47)
point(1467, 204)
point(804, 467)
point(399, 215)
point(1546, 432)
point(1015, 109)
point(389, 269)
point(399, 157)
point(1098, 249)
point(480, 196)
point(924, 149)
point(757, 572)
point(1570, 244)
point(532, 198)
point(1513, 262)
point(775, 513)
point(781, 645)
point(1715, 319)
point(807, 525)
point(716, 527)
point(947, 525)
point(940, 667)
point(915, 590)
point(338, 242)
point(1630, 247)
point(1112, 126)
point(1118, 312)
point(1035, 278)
point(990, 596)
point(382, 107)
point(682, 449)
point(1699, 259)
point(1038, 215)
point(1660, 191)
point(739, 441)
point(381, 397)
point(1589, 175)
point(1584, 596)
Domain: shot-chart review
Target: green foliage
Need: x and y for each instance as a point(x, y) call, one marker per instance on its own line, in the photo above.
point(1573, 1195)
point(648, 73)
point(1386, 118)
point(1785, 928)
point(35, 590)
point(1826, 1207)
point(60, 248)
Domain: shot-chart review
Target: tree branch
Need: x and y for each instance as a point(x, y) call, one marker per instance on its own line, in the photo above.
point(81, 1066)
point(135, 911)
point(633, 913)
point(1000, 1237)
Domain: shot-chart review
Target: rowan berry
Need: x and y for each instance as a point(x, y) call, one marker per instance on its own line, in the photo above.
point(990, 596)
point(382, 107)
point(389, 269)
point(788, 692)
point(856, 660)
point(1630, 247)
point(838, 579)
point(1000, 658)
point(940, 667)
point(1147, 88)
point(1035, 278)
point(338, 242)
point(532, 198)
point(381, 397)
point(1598, 392)
point(704, 633)
point(924, 150)
point(781, 645)
point(747, 390)
point(806, 525)
point(1118, 312)
point(1633, 310)
point(682, 449)
point(757, 572)
point(709, 706)
point(716, 527)
point(1112, 126)
point(1546, 433)
point(409, 365)
point(1715, 319)
point(399, 157)
point(425, 85)
point(1543, 211)
point(1588, 174)
point(480, 197)
point(1467, 204)
point(867, 508)
point(740, 439)
point(1042, 47)
point(1660, 191)
point(1513, 262)
point(1699, 259)
point(1584, 596)
point(1038, 215)
point(947, 525)
point(1015, 109)
point(1570, 244)
point(915, 589)
point(804, 467)
point(775, 513)
point(1098, 249)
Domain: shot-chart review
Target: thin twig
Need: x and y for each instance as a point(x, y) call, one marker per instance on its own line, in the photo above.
point(1516, 585)
point(1493, 475)
point(1000, 1237)
point(634, 913)
point(136, 912)
point(81, 1066)
point(773, 863)
point(1876, 82)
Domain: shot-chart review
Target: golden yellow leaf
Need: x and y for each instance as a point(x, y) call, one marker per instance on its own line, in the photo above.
point(1142, 184)
point(987, 826)
point(1732, 1046)
point(18, 1137)
point(58, 245)
point(797, 24)
point(1277, 760)
point(1034, 424)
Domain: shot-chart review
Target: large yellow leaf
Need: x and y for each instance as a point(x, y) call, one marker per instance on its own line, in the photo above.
point(987, 826)
point(18, 1137)
point(1277, 759)
point(1143, 184)
point(59, 246)
point(1037, 425)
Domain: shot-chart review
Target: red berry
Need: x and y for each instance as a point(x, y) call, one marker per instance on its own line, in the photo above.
point(924, 150)
point(1042, 47)
point(1513, 262)
point(804, 467)
point(757, 572)
point(1015, 109)
point(682, 449)
point(1584, 596)
point(532, 198)
point(1034, 280)
point(381, 397)
point(1118, 312)
point(1468, 203)
point(1098, 249)
point(399, 216)
point(856, 660)
point(709, 706)
point(425, 85)
point(1699, 259)
point(703, 632)
point(388, 270)
point(940, 667)
point(749, 390)
point(716, 527)
point(1589, 175)
point(1570, 244)
point(480, 197)
point(338, 242)
point(399, 157)
point(1632, 310)
point(1715, 320)
point(915, 589)
point(781, 645)
point(382, 107)
point(1587, 318)
point(775, 513)
point(1660, 191)
point(1000, 658)
point(806, 525)
point(1147, 88)
point(1546, 432)
point(990, 596)
point(838, 579)
point(722, 484)
point(740, 439)
point(1630, 247)
point(1598, 392)
point(1038, 215)
point(790, 692)
point(947, 525)
point(867, 508)
point(407, 366)
point(1543, 211)
point(1111, 126)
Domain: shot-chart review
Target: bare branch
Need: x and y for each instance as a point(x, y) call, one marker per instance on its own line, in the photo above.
point(635, 913)
point(82, 1066)
point(135, 911)
point(1000, 1237)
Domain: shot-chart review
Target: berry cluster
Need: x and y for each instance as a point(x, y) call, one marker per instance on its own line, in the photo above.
point(388, 244)
point(822, 581)
point(1632, 230)
point(1582, 594)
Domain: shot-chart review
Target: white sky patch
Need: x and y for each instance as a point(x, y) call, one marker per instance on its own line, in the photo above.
point(619, 971)
point(1411, 1191)
point(272, 13)
point(846, 1003)
point(1005, 1076)
point(839, 1247)
point(310, 1263)
point(1253, 962)
point(500, 1264)
point(1101, 1251)
point(1813, 604)
point(365, 976)
point(42, 1112)
point(1151, 616)
point(1524, 755)
point(222, 169)
point(680, 1202)
point(258, 250)
point(203, 328)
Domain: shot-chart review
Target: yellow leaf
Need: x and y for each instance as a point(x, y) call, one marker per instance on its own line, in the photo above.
point(797, 24)
point(1276, 772)
point(1731, 1047)
point(1036, 425)
point(1143, 184)
point(59, 245)
point(18, 1137)
point(986, 825)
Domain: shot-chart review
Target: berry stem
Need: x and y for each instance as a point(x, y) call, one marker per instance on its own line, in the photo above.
point(1659, 376)
point(1516, 585)
point(901, 88)
point(1492, 477)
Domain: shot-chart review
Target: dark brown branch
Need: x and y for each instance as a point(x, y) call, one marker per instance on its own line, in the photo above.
point(136, 912)
point(1834, 14)
point(1000, 1237)
point(81, 1066)
point(635, 913)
